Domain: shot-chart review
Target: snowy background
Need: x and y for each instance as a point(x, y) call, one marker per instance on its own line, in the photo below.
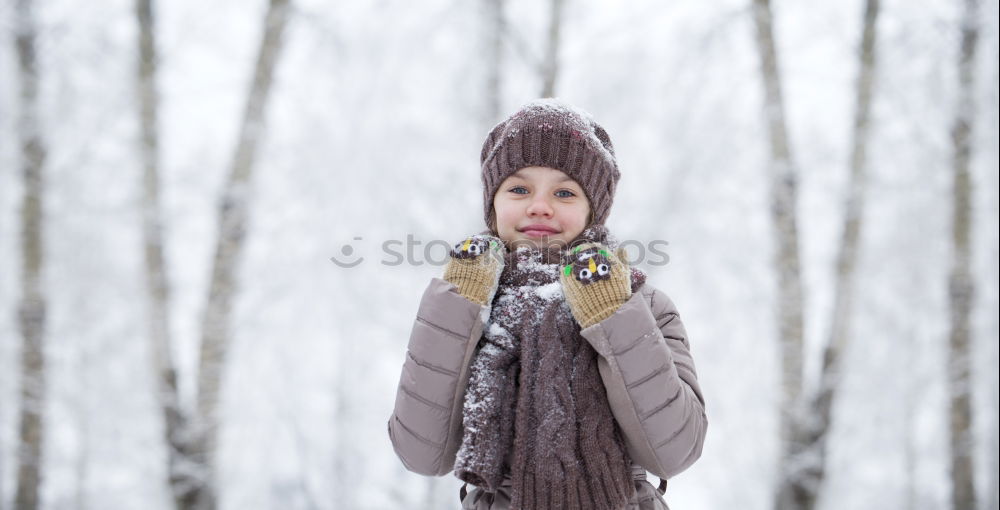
point(375, 124)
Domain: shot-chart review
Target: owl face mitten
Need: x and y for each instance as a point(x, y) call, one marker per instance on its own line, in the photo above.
point(596, 282)
point(475, 267)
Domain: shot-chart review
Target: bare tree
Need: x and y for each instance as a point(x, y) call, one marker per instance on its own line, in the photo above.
point(960, 284)
point(232, 223)
point(495, 23)
point(31, 314)
point(811, 433)
point(550, 67)
point(2, 456)
point(81, 421)
point(993, 484)
point(433, 499)
point(184, 468)
point(910, 456)
point(786, 257)
point(345, 461)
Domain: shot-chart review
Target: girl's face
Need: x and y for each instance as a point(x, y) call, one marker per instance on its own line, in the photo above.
point(541, 207)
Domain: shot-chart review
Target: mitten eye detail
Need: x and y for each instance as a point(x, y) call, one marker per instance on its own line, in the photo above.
point(469, 249)
point(590, 265)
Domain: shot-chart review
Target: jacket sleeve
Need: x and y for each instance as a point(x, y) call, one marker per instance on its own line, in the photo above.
point(646, 365)
point(426, 424)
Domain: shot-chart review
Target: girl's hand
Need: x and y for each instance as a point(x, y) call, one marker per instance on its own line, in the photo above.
point(596, 282)
point(475, 267)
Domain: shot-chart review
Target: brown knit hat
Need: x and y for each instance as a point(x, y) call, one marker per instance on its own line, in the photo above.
point(552, 133)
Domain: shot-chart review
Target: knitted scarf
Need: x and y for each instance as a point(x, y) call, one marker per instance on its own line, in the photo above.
point(535, 407)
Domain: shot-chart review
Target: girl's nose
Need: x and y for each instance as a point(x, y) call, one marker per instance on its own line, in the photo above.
point(539, 207)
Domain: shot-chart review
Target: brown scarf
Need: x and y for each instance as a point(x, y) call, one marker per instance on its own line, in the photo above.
point(535, 393)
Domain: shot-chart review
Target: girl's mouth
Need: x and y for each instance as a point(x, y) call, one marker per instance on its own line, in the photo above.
point(538, 231)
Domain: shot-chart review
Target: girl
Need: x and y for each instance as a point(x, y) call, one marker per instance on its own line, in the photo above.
point(541, 369)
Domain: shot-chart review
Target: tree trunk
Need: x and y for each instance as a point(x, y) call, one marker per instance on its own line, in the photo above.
point(31, 314)
point(82, 460)
point(910, 456)
point(433, 498)
point(3, 455)
point(960, 283)
point(993, 486)
point(185, 469)
point(346, 452)
point(232, 223)
point(550, 68)
point(815, 431)
point(786, 255)
point(495, 28)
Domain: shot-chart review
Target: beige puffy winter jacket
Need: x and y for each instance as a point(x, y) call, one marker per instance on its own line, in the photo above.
point(644, 361)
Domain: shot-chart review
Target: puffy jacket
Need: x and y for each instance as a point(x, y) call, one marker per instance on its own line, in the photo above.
point(644, 361)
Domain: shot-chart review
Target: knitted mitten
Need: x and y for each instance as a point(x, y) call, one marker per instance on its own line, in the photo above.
point(475, 267)
point(596, 282)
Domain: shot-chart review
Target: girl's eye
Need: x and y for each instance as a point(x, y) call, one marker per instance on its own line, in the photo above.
point(565, 193)
point(520, 190)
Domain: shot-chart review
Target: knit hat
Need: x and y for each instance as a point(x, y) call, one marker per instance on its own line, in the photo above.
point(552, 133)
